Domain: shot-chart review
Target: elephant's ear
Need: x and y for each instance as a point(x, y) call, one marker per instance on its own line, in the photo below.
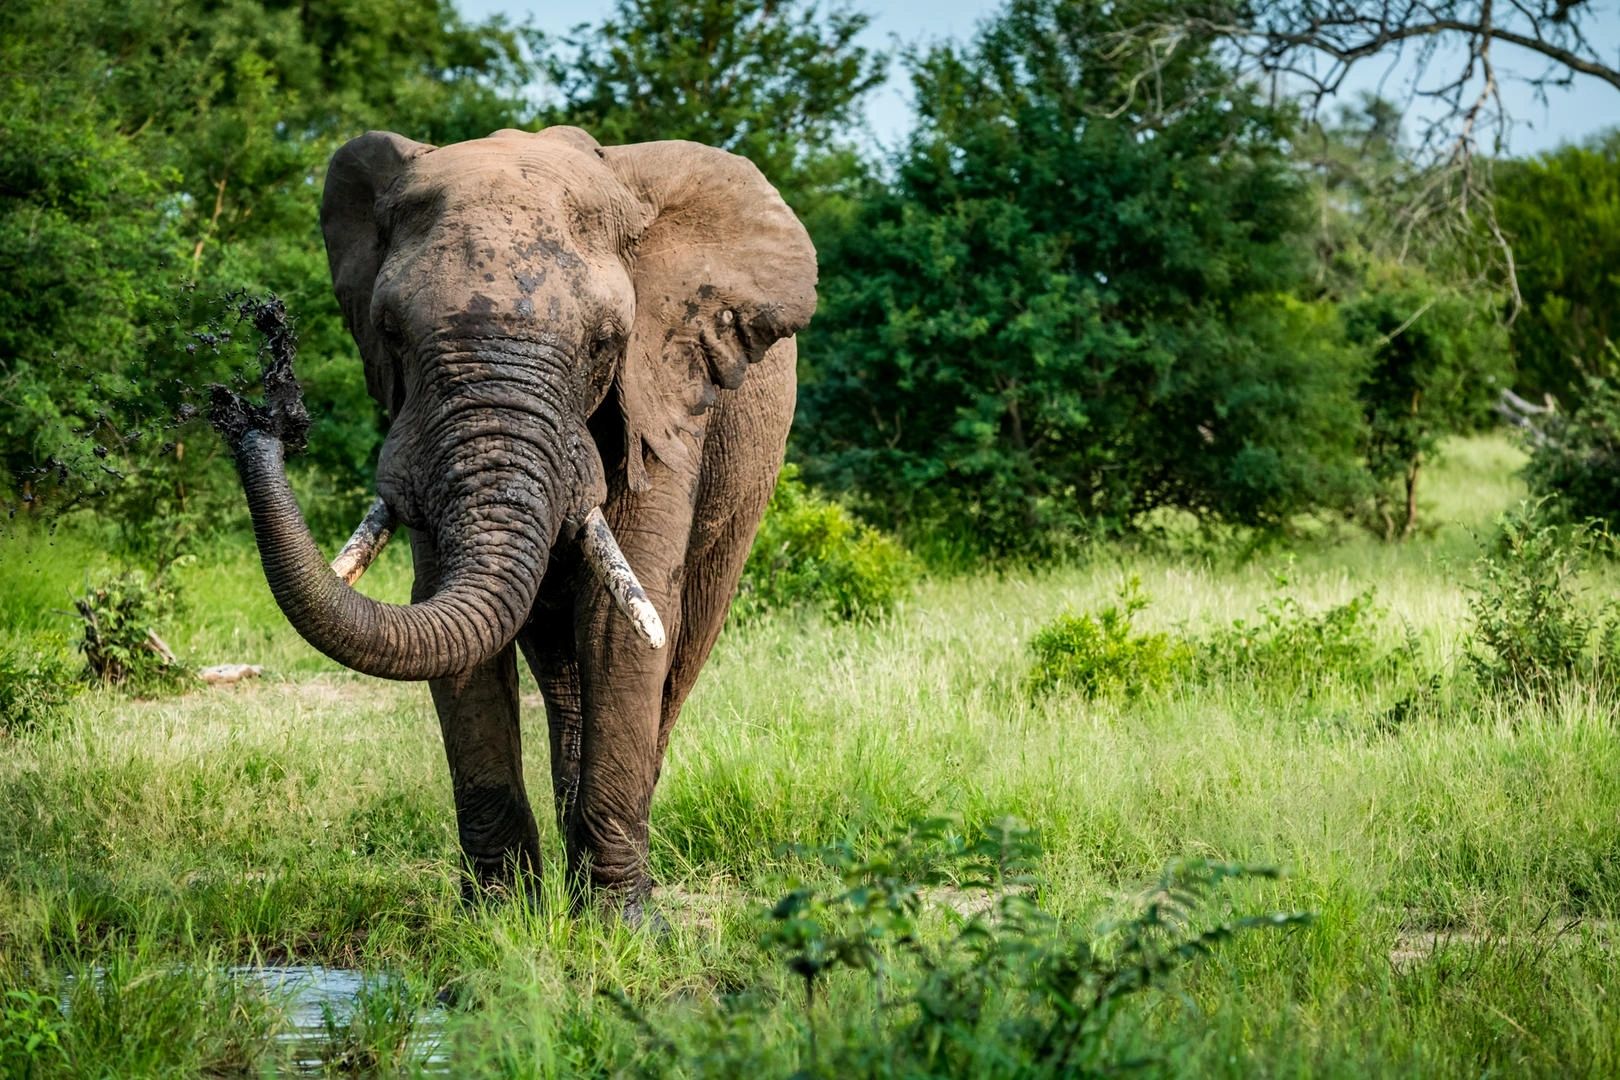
point(361, 171)
point(723, 271)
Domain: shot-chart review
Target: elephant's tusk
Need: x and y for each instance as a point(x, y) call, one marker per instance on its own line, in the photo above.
point(368, 540)
point(607, 560)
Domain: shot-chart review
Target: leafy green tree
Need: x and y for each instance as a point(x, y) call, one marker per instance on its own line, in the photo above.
point(1431, 331)
point(1439, 360)
point(88, 233)
point(156, 142)
point(1561, 211)
point(1067, 311)
point(777, 81)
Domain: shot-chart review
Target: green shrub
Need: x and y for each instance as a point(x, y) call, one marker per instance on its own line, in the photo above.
point(120, 641)
point(36, 681)
point(1287, 643)
point(965, 973)
point(1562, 209)
point(31, 1026)
point(1532, 630)
point(811, 553)
point(1100, 653)
point(1575, 468)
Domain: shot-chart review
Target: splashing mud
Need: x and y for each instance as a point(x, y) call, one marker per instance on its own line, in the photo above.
point(283, 413)
point(126, 421)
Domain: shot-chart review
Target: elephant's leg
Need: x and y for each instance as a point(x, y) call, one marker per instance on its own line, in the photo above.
point(548, 645)
point(687, 537)
point(478, 717)
point(622, 692)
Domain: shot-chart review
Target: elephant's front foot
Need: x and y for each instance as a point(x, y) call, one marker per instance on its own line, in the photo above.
point(630, 904)
point(494, 881)
point(608, 872)
point(500, 845)
point(638, 912)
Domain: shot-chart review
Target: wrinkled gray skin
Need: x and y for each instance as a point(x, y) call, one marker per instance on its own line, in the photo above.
point(552, 325)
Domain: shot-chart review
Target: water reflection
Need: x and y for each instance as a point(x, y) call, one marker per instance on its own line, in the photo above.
point(333, 1014)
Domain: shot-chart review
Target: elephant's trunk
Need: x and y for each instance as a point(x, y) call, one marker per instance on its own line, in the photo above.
point(493, 545)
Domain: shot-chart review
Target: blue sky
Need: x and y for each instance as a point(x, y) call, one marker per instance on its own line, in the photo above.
point(1586, 107)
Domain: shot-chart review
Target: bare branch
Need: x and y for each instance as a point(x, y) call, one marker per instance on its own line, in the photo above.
point(1308, 48)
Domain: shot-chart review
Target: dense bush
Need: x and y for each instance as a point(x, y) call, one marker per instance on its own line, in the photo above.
point(1101, 653)
point(1000, 989)
point(1288, 644)
point(1534, 630)
point(36, 680)
point(1574, 467)
point(1067, 309)
point(811, 553)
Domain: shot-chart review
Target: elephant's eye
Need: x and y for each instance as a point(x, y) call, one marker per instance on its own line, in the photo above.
point(388, 327)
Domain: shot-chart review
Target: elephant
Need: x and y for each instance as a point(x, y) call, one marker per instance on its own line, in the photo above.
point(586, 355)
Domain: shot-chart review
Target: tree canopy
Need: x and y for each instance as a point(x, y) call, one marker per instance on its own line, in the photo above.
point(1060, 316)
point(777, 81)
point(159, 143)
point(1100, 277)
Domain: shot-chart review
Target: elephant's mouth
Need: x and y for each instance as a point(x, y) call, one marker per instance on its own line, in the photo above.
point(596, 543)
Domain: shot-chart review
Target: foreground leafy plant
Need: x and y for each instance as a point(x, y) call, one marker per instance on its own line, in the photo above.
point(120, 642)
point(31, 1026)
point(1532, 630)
point(1101, 654)
point(968, 975)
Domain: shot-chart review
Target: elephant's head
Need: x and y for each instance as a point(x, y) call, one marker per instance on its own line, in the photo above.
point(536, 313)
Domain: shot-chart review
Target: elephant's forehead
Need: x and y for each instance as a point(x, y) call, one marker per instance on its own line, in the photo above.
point(533, 174)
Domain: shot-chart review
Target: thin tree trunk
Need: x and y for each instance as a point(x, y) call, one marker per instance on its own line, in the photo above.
point(180, 474)
point(1412, 470)
point(1411, 497)
point(213, 223)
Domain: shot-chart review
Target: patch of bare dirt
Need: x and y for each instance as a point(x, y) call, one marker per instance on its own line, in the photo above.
point(1415, 947)
point(700, 909)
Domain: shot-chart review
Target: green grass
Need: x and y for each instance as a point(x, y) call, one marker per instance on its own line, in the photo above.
point(1464, 863)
